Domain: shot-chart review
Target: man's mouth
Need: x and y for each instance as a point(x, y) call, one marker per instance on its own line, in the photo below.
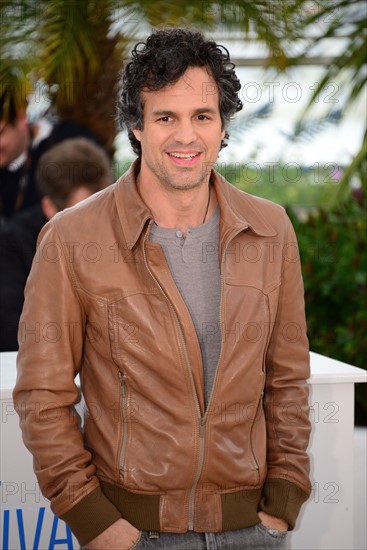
point(187, 156)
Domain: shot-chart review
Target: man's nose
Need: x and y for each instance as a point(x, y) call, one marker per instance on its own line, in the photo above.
point(185, 132)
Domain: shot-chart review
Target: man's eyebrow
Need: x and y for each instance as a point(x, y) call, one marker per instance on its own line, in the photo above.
point(199, 111)
point(204, 110)
point(162, 112)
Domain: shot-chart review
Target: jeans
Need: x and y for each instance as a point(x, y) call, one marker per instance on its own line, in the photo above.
point(257, 537)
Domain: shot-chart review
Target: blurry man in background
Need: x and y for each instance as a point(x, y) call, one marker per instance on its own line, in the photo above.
point(21, 146)
point(68, 173)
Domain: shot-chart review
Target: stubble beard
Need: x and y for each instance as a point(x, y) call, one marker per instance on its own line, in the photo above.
point(186, 180)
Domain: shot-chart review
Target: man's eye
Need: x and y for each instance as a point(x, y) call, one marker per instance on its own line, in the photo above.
point(203, 117)
point(164, 119)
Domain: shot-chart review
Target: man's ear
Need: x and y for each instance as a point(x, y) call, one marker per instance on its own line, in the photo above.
point(137, 133)
point(48, 207)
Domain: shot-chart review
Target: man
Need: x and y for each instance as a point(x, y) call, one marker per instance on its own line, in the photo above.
point(66, 174)
point(21, 146)
point(192, 353)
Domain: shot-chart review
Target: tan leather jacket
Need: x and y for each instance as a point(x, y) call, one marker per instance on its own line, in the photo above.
point(101, 302)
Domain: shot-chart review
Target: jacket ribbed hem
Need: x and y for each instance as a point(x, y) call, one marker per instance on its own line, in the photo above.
point(108, 503)
point(239, 509)
point(91, 516)
point(282, 499)
point(142, 511)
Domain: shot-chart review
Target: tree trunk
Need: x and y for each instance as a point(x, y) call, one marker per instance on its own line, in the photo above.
point(94, 104)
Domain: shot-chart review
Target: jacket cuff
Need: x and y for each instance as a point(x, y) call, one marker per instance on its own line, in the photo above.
point(282, 499)
point(91, 516)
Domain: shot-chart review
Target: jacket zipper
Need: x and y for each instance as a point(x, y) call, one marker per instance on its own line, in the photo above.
point(181, 339)
point(124, 420)
point(259, 405)
point(198, 473)
point(202, 420)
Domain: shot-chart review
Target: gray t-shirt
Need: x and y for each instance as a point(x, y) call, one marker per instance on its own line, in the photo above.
point(194, 264)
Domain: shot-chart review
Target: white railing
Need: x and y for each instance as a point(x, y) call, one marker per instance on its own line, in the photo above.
point(326, 521)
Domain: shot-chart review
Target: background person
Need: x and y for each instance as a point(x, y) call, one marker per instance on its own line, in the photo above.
point(67, 173)
point(21, 146)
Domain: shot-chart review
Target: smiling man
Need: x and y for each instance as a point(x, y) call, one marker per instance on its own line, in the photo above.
point(182, 132)
point(181, 140)
point(179, 301)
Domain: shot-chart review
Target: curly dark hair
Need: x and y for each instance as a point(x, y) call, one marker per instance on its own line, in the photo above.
point(162, 60)
point(8, 109)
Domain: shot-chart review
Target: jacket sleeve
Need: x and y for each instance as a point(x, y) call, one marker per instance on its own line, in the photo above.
point(286, 407)
point(51, 334)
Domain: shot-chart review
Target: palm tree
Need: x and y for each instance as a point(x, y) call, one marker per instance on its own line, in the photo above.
point(344, 21)
point(76, 48)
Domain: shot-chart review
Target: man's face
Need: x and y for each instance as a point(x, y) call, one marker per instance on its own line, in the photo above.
point(182, 131)
point(14, 139)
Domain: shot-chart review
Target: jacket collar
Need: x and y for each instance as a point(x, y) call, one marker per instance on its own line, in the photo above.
point(132, 210)
point(238, 209)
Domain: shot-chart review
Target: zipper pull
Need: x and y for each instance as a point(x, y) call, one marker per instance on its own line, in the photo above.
point(122, 383)
point(202, 427)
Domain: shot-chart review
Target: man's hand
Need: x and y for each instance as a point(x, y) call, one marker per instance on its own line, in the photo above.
point(121, 535)
point(272, 522)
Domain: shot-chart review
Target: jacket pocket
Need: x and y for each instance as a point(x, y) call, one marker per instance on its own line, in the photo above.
point(258, 440)
point(125, 423)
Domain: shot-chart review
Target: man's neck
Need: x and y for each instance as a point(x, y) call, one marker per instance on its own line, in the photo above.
point(179, 208)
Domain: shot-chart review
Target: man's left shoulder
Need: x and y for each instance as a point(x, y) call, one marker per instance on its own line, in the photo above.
point(256, 210)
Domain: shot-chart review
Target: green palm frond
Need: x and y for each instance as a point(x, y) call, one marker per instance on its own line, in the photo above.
point(347, 20)
point(266, 19)
point(342, 20)
point(357, 166)
point(244, 122)
point(77, 47)
point(69, 47)
point(15, 83)
point(68, 39)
